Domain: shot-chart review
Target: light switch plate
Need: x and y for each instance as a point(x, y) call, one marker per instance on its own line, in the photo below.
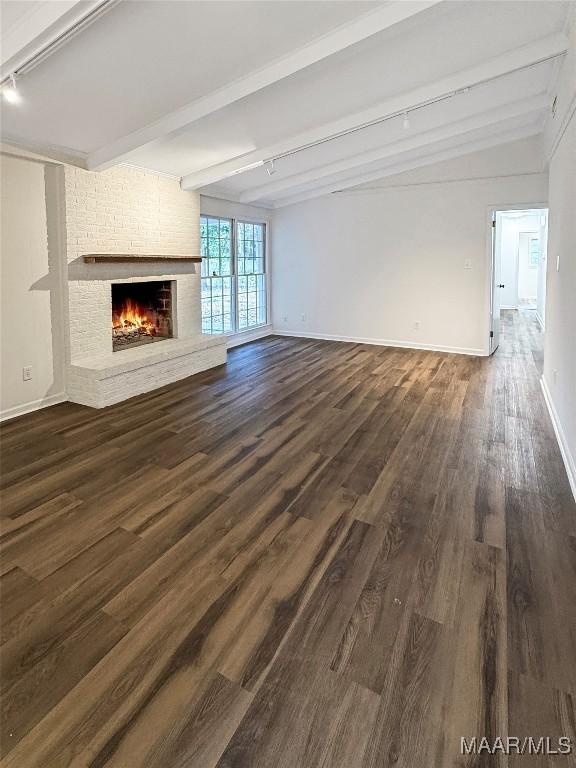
point(467, 263)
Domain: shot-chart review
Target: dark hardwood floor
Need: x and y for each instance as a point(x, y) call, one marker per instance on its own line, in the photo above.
point(321, 554)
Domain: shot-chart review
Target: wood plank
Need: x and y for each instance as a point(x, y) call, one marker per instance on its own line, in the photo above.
point(322, 554)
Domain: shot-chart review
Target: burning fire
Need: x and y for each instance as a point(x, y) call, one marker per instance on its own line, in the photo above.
point(130, 319)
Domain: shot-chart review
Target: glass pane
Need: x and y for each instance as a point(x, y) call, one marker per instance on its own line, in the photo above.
point(242, 320)
point(216, 286)
point(217, 324)
point(213, 228)
point(259, 250)
point(252, 282)
point(251, 317)
point(206, 325)
point(240, 231)
point(251, 300)
point(225, 228)
point(242, 301)
point(248, 249)
point(242, 284)
point(248, 231)
point(261, 283)
point(227, 286)
point(259, 232)
point(226, 266)
point(227, 323)
point(203, 227)
point(225, 247)
point(206, 290)
point(241, 266)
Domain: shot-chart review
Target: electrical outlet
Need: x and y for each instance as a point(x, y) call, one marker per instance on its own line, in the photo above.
point(284, 318)
point(417, 325)
point(467, 263)
point(303, 317)
point(27, 373)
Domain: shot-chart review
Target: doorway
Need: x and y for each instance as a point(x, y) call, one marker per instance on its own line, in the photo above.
point(519, 237)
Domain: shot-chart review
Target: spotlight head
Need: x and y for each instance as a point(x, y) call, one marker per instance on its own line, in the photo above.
point(10, 92)
point(270, 167)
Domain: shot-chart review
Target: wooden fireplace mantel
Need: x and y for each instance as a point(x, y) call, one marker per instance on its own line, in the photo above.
point(94, 258)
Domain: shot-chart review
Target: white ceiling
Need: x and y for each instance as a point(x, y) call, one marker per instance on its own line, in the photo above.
point(201, 89)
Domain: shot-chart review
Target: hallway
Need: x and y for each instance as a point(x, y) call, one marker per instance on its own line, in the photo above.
point(321, 554)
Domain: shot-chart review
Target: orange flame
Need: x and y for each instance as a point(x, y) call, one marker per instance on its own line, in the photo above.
point(132, 316)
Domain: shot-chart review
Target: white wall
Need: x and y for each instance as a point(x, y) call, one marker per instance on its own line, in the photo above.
point(215, 206)
point(527, 273)
point(368, 265)
point(541, 297)
point(559, 378)
point(31, 293)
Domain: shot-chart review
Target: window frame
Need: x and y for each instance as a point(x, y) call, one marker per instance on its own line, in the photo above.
point(211, 277)
point(234, 221)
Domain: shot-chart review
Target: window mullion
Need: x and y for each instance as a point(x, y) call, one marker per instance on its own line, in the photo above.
point(234, 281)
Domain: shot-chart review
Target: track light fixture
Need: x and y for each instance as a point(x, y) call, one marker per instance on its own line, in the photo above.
point(270, 167)
point(10, 92)
point(406, 121)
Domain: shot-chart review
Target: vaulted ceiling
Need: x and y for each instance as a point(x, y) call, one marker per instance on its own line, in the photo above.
point(212, 92)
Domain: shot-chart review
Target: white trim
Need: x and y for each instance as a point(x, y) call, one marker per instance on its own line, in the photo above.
point(567, 457)
point(33, 405)
point(384, 342)
point(252, 334)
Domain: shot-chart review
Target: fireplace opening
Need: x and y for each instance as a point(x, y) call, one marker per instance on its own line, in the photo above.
point(141, 313)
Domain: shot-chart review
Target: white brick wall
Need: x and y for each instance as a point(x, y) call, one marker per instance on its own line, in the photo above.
point(127, 211)
point(115, 386)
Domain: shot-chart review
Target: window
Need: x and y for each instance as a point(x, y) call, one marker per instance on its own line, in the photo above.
point(217, 271)
point(251, 275)
point(534, 252)
point(234, 287)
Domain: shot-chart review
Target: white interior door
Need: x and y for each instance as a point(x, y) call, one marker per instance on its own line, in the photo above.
point(496, 289)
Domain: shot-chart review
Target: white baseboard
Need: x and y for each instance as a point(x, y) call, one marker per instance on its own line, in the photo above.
point(385, 342)
point(567, 457)
point(540, 321)
point(34, 405)
point(243, 337)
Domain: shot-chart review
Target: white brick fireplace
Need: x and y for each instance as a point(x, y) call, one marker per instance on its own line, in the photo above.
point(125, 211)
